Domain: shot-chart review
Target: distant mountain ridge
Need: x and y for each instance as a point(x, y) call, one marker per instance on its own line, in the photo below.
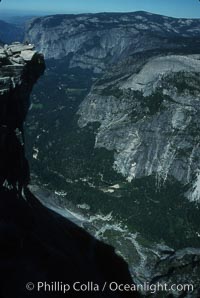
point(96, 40)
point(10, 32)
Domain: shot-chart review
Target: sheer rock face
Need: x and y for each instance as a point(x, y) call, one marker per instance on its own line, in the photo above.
point(150, 117)
point(36, 244)
point(96, 40)
point(20, 67)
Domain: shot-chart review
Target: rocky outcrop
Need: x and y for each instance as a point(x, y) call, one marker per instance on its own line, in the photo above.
point(36, 244)
point(20, 67)
point(97, 40)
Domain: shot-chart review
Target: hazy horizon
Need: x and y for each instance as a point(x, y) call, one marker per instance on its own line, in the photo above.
point(176, 8)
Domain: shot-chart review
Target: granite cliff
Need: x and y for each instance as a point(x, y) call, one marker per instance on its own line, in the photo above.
point(37, 244)
point(98, 40)
point(150, 117)
point(20, 66)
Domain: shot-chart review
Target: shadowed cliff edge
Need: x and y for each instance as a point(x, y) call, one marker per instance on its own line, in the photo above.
point(36, 244)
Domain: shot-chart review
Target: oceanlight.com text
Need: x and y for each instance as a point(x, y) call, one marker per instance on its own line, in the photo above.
point(107, 286)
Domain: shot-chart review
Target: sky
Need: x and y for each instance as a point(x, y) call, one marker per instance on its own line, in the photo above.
point(175, 8)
